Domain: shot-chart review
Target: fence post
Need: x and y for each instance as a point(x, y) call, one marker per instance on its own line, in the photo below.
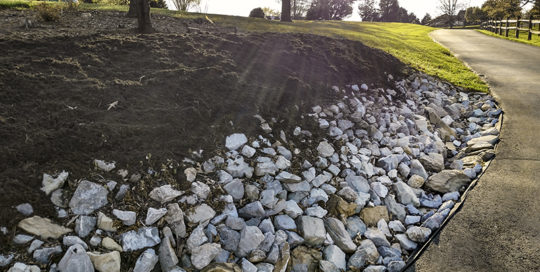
point(500, 27)
point(517, 27)
point(507, 25)
point(530, 28)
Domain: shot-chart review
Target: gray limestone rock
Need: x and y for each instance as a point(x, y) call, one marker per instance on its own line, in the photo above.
point(43, 255)
point(341, 237)
point(88, 197)
point(75, 260)
point(142, 238)
point(127, 217)
point(146, 261)
point(165, 193)
point(447, 181)
point(335, 255)
point(204, 254)
point(200, 214)
point(167, 256)
point(250, 238)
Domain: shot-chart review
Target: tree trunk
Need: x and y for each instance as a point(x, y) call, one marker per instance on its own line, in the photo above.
point(143, 16)
point(286, 11)
point(132, 12)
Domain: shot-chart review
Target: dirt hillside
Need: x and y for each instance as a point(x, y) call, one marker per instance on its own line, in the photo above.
point(181, 89)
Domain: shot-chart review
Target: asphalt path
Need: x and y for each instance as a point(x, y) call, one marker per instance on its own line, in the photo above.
point(498, 227)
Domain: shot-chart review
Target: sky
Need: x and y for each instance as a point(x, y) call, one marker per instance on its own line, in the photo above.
point(243, 7)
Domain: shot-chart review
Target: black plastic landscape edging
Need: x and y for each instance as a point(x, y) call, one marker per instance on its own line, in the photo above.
point(412, 260)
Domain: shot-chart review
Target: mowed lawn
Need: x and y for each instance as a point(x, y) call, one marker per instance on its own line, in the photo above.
point(408, 42)
point(523, 35)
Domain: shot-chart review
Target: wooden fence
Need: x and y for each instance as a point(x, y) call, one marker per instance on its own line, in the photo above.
point(501, 27)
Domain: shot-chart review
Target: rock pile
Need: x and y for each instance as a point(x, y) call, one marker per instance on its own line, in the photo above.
point(362, 192)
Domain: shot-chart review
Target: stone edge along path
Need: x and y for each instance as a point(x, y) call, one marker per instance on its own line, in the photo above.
point(457, 207)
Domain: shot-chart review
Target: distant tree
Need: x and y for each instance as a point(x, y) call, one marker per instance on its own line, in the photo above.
point(475, 15)
point(460, 17)
point(502, 8)
point(413, 19)
point(368, 11)
point(271, 13)
point(158, 4)
point(329, 9)
point(185, 5)
point(257, 13)
point(449, 8)
point(286, 11)
point(426, 20)
point(535, 11)
point(389, 10)
point(299, 8)
point(403, 15)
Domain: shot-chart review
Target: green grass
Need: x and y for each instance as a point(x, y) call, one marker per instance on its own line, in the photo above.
point(535, 39)
point(14, 4)
point(409, 43)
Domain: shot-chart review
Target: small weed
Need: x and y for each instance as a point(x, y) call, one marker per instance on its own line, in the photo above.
point(48, 12)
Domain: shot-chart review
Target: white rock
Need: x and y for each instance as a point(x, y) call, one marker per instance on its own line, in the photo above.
point(191, 174)
point(153, 215)
point(22, 239)
point(316, 211)
point(50, 184)
point(200, 214)
point(110, 244)
point(43, 227)
point(196, 238)
point(167, 256)
point(76, 260)
point(203, 255)
point(105, 166)
point(234, 141)
point(312, 229)
point(73, 240)
point(292, 209)
point(142, 238)
point(248, 151)
point(20, 267)
point(418, 234)
point(165, 193)
point(109, 262)
point(235, 188)
point(127, 217)
point(25, 209)
point(325, 149)
point(250, 238)
point(335, 255)
point(146, 261)
point(88, 197)
point(105, 223)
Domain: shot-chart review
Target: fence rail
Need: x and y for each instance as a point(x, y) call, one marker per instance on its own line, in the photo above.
point(502, 27)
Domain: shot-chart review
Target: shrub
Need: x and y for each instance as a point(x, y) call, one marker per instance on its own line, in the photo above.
point(157, 4)
point(48, 12)
point(257, 13)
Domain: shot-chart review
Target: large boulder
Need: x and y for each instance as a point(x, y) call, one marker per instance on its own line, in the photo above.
point(447, 181)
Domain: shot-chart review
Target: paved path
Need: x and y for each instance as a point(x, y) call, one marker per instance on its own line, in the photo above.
point(498, 228)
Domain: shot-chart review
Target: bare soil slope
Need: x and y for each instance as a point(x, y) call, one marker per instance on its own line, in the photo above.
point(181, 89)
